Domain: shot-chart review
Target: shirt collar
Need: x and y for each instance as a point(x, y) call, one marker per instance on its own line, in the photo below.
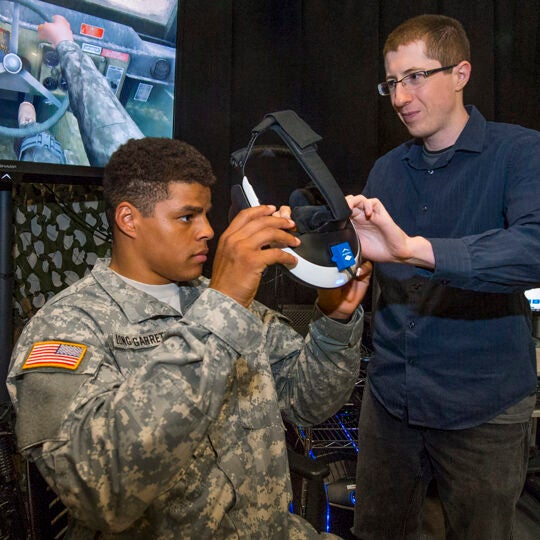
point(473, 135)
point(471, 139)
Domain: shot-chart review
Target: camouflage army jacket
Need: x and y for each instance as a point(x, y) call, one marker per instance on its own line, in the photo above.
point(151, 424)
point(103, 122)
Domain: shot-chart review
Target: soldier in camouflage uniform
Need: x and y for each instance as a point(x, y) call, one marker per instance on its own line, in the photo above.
point(103, 122)
point(148, 396)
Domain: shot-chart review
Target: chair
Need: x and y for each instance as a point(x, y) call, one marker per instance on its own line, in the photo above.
point(309, 492)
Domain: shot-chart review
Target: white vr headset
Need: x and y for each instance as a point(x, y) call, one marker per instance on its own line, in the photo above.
point(330, 252)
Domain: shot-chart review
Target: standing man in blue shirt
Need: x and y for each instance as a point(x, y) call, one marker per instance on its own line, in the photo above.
point(452, 220)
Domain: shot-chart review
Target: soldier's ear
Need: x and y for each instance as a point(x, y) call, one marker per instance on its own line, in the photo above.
point(125, 217)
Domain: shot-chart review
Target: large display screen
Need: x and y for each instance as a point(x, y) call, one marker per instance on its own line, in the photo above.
point(116, 80)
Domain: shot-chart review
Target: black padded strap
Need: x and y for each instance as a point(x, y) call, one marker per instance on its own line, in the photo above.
point(301, 140)
point(293, 127)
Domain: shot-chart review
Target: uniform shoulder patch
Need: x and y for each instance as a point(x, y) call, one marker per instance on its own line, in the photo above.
point(55, 354)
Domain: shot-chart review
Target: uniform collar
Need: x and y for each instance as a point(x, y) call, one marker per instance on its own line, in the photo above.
point(136, 304)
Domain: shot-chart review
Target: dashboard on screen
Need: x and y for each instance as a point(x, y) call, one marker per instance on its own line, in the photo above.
point(132, 48)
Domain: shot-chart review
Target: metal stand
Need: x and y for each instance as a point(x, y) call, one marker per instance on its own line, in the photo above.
point(6, 280)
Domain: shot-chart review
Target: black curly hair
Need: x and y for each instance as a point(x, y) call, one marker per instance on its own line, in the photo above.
point(140, 171)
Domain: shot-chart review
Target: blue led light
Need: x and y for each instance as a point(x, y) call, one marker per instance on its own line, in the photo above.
point(347, 432)
point(327, 509)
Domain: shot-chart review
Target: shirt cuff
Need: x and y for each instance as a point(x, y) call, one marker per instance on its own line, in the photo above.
point(66, 46)
point(452, 260)
point(336, 331)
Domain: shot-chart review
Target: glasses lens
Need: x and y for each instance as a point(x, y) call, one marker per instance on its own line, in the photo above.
point(415, 79)
point(384, 89)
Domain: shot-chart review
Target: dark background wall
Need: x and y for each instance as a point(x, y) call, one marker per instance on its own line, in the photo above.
point(240, 59)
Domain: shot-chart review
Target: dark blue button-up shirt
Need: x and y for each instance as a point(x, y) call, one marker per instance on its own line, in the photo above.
point(453, 346)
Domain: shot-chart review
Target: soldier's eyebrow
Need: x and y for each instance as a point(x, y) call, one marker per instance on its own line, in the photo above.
point(192, 209)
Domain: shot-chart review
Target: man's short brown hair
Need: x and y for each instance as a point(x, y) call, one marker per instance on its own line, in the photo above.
point(445, 38)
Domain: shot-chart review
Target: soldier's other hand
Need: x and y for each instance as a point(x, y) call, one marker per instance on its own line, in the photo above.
point(250, 244)
point(285, 212)
point(340, 303)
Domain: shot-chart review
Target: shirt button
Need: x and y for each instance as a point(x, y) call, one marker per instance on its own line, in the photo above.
point(412, 324)
point(430, 171)
point(424, 208)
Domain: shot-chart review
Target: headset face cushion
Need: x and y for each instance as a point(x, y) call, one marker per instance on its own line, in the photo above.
point(303, 197)
point(310, 218)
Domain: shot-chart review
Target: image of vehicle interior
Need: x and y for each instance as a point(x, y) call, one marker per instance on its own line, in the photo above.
point(131, 42)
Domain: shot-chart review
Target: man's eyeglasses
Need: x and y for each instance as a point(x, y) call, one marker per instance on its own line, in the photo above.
point(413, 80)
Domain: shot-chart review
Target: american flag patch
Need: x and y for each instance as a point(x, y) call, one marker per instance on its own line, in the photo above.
point(57, 354)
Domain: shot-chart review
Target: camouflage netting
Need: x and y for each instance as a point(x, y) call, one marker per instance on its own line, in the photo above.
point(60, 231)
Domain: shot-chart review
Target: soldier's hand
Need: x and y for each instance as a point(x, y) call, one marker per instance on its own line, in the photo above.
point(56, 31)
point(247, 247)
point(340, 303)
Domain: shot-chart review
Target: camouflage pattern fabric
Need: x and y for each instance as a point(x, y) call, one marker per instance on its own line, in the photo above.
point(169, 426)
point(59, 233)
point(41, 153)
point(103, 122)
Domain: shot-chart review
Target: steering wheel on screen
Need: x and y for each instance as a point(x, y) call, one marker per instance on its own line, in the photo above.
point(12, 66)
